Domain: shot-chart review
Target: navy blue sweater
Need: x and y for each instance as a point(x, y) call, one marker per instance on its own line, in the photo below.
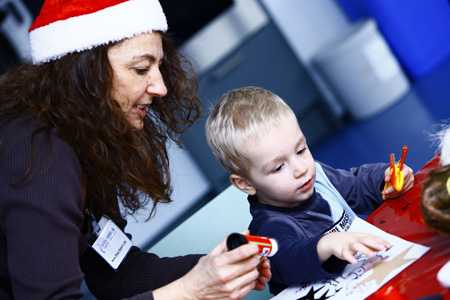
point(40, 232)
point(298, 229)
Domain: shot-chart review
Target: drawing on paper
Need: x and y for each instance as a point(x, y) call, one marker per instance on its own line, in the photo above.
point(361, 279)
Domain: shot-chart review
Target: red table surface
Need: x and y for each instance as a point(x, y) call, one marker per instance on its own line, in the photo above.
point(402, 217)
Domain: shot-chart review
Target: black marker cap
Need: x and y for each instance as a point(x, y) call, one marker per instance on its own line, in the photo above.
point(235, 240)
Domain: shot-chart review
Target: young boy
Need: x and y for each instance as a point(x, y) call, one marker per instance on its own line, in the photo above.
point(305, 205)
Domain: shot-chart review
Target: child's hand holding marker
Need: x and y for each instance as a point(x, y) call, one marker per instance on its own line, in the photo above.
point(399, 177)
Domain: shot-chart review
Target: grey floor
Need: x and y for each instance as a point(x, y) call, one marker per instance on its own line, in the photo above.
point(408, 122)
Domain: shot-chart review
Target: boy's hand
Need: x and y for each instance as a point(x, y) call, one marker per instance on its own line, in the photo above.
point(344, 245)
point(408, 182)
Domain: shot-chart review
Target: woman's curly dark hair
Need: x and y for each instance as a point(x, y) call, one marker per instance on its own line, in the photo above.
point(72, 95)
point(435, 200)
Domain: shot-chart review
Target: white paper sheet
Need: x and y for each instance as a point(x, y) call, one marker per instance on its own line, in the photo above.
point(366, 276)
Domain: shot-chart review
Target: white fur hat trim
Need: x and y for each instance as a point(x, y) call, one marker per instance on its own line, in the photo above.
point(76, 34)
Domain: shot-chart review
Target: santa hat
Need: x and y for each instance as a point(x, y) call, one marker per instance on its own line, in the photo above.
point(67, 26)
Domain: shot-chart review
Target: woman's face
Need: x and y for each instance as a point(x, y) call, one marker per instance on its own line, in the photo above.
point(137, 77)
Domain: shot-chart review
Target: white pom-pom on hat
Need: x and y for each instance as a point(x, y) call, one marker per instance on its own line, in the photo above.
point(67, 26)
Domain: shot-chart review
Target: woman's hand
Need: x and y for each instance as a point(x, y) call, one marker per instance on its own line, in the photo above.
point(408, 182)
point(344, 245)
point(221, 274)
point(264, 274)
point(226, 275)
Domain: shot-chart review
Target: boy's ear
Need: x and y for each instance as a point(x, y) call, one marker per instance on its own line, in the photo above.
point(242, 184)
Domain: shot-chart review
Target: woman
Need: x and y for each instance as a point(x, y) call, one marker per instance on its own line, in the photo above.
point(83, 128)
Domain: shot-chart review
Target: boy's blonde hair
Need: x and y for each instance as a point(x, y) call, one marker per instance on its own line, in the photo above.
point(242, 116)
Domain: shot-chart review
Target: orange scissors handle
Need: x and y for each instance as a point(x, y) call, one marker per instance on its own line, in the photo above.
point(402, 157)
point(394, 172)
point(397, 178)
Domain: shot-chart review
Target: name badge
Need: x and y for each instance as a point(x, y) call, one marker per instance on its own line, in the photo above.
point(111, 243)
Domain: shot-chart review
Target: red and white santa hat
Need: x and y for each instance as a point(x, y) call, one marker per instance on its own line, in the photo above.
point(67, 26)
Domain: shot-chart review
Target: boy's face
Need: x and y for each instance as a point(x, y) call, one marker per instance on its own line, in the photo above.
point(282, 170)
